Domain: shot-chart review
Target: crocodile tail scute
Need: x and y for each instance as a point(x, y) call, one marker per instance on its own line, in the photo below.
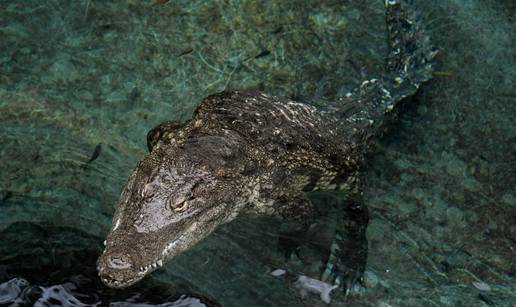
point(411, 57)
point(364, 110)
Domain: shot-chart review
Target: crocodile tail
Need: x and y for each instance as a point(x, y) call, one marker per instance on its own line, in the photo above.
point(410, 61)
point(409, 64)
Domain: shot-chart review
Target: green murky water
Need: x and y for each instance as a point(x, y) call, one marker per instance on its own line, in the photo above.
point(75, 74)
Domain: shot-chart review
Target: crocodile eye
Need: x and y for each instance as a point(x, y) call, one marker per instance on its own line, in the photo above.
point(179, 204)
point(182, 207)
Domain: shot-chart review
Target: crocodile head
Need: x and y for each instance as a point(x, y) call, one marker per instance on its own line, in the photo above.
point(174, 198)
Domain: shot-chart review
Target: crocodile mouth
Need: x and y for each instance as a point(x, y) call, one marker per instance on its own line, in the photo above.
point(115, 283)
point(124, 277)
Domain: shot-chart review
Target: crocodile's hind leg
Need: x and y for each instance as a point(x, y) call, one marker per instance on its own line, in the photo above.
point(348, 253)
point(297, 214)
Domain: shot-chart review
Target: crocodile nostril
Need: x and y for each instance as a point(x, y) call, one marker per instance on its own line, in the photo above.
point(119, 262)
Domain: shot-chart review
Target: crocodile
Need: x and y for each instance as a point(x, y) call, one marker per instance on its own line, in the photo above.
point(246, 151)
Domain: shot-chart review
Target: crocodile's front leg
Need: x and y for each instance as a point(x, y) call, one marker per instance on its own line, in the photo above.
point(348, 254)
point(297, 214)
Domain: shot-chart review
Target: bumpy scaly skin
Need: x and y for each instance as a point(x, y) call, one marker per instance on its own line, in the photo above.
point(247, 151)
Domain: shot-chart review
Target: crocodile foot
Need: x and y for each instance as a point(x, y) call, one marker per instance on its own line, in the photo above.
point(288, 244)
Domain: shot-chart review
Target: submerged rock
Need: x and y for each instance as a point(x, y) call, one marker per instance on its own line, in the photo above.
point(278, 272)
point(482, 286)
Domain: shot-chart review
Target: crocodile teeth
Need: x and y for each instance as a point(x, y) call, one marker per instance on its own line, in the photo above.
point(154, 265)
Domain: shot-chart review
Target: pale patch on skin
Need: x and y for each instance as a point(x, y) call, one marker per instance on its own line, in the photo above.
point(116, 224)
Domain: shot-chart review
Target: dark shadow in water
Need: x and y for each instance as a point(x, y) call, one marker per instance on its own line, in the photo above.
point(56, 265)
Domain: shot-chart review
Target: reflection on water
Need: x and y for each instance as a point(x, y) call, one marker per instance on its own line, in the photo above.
point(18, 292)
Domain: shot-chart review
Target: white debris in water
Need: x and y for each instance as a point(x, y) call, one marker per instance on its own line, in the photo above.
point(307, 284)
point(61, 294)
point(13, 293)
point(278, 272)
point(482, 286)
